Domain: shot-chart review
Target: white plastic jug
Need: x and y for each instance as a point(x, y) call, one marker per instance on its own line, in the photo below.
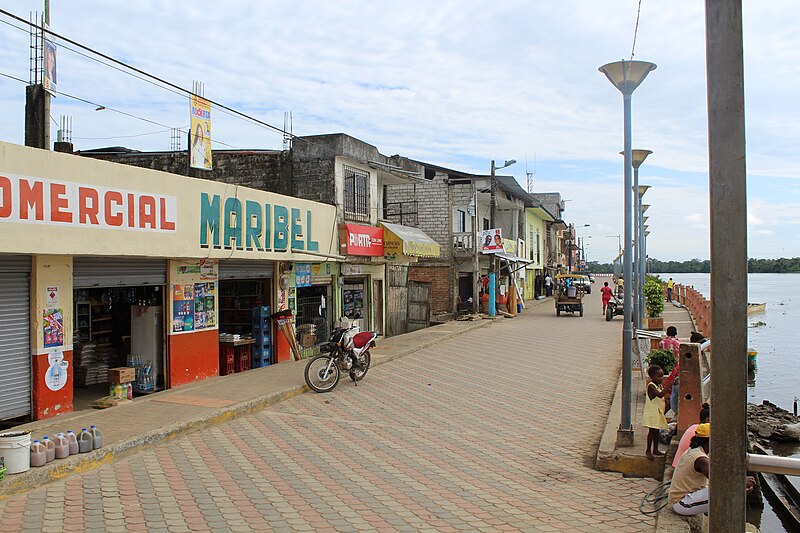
point(62, 446)
point(38, 454)
point(49, 448)
point(72, 442)
point(97, 437)
point(85, 441)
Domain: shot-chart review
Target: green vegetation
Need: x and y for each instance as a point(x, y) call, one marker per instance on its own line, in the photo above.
point(654, 297)
point(663, 358)
point(696, 266)
point(758, 324)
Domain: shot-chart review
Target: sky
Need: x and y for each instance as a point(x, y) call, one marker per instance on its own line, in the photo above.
point(454, 83)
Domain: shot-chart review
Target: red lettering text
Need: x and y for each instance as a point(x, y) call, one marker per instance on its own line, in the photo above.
point(58, 203)
point(86, 212)
point(31, 196)
point(131, 210)
point(5, 198)
point(165, 224)
point(147, 212)
point(113, 216)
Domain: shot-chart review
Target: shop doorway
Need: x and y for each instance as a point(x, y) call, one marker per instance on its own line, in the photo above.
point(313, 319)
point(115, 327)
point(354, 302)
point(419, 310)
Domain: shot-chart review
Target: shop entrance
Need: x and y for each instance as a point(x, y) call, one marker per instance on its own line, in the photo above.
point(245, 326)
point(115, 327)
point(354, 302)
point(15, 347)
point(313, 317)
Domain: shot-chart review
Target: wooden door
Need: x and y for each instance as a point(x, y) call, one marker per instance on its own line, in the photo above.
point(419, 307)
point(377, 306)
point(396, 300)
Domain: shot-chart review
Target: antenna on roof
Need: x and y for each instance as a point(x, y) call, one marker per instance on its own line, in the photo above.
point(288, 126)
point(530, 174)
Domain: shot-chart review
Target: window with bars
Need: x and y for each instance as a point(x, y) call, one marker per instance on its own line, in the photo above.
point(356, 194)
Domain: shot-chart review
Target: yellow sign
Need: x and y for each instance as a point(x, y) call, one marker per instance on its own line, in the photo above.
point(200, 134)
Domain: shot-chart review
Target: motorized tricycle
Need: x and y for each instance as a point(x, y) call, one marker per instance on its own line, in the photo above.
point(569, 294)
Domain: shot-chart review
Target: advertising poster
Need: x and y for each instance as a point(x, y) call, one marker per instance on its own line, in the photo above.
point(205, 315)
point(353, 303)
point(302, 274)
point(50, 77)
point(200, 134)
point(58, 372)
point(182, 308)
point(53, 326)
point(492, 240)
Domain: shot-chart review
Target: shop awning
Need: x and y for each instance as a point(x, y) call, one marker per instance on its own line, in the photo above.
point(512, 258)
point(407, 240)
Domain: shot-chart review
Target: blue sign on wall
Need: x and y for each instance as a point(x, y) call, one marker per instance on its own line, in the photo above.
point(302, 274)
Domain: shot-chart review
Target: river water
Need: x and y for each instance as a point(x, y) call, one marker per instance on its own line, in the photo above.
point(769, 333)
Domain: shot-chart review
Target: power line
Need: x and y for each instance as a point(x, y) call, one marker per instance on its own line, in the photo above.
point(636, 28)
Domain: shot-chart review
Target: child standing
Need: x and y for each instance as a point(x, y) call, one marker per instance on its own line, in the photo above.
point(653, 417)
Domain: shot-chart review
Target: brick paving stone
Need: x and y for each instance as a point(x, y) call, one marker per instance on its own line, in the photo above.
point(489, 431)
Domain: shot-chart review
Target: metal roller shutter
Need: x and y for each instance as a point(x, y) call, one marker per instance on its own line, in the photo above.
point(237, 269)
point(15, 357)
point(117, 272)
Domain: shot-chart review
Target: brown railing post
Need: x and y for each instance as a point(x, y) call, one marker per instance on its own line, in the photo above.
point(690, 388)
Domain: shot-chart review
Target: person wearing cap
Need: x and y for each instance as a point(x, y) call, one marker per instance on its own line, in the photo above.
point(688, 492)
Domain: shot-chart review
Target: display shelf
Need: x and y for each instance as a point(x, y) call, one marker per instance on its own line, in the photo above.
point(103, 332)
point(101, 319)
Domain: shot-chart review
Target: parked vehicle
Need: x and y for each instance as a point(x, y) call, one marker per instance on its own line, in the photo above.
point(584, 282)
point(614, 308)
point(346, 351)
point(569, 293)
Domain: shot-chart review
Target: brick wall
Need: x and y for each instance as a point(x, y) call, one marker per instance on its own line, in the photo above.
point(263, 170)
point(441, 280)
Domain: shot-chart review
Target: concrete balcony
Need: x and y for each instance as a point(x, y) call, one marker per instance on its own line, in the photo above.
point(463, 244)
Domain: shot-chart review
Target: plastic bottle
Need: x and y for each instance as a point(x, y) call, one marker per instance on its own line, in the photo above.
point(97, 437)
point(130, 391)
point(85, 441)
point(38, 454)
point(62, 446)
point(118, 391)
point(49, 448)
point(72, 442)
point(112, 390)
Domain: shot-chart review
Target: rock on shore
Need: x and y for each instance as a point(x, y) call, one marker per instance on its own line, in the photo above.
point(769, 422)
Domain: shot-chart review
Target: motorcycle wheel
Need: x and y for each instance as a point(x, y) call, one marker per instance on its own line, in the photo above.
point(322, 373)
point(365, 361)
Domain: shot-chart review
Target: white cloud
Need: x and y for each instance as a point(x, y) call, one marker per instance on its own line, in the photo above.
point(456, 83)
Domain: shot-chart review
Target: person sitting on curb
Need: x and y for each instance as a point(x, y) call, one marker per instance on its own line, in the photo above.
point(688, 492)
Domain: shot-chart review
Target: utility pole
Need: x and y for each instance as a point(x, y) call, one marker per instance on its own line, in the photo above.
point(728, 205)
point(492, 257)
point(37, 99)
point(476, 241)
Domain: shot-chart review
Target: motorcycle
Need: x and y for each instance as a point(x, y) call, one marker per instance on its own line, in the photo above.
point(346, 351)
point(614, 307)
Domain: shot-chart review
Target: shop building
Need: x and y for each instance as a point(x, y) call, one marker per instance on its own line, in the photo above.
point(108, 265)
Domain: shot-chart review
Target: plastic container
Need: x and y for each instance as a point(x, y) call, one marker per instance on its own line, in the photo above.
point(97, 436)
point(72, 442)
point(118, 391)
point(15, 451)
point(62, 446)
point(85, 441)
point(49, 447)
point(130, 391)
point(38, 454)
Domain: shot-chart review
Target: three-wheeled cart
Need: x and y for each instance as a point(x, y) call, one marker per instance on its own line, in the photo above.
point(569, 294)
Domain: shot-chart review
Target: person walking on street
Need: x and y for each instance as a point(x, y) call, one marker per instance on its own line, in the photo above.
point(607, 294)
point(548, 285)
point(670, 286)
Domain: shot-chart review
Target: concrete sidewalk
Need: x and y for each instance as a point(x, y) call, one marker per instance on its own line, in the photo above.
point(152, 419)
point(632, 461)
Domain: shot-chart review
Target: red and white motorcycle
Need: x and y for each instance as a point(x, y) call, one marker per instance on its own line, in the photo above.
point(346, 351)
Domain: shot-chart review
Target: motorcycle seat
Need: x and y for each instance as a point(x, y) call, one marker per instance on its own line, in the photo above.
point(362, 339)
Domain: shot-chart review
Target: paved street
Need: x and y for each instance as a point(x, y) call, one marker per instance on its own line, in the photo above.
point(494, 430)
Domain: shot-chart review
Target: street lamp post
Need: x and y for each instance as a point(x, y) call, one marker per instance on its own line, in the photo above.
point(626, 76)
point(638, 157)
point(640, 245)
point(493, 258)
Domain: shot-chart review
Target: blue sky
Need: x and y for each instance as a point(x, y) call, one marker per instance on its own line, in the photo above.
point(453, 83)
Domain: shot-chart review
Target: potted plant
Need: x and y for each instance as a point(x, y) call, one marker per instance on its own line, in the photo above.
point(663, 358)
point(654, 303)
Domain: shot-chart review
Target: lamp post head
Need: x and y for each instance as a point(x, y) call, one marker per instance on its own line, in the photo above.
point(645, 219)
point(644, 207)
point(643, 189)
point(646, 233)
point(626, 76)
